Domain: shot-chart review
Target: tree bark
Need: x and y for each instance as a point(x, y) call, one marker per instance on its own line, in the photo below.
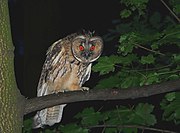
point(100, 94)
point(11, 101)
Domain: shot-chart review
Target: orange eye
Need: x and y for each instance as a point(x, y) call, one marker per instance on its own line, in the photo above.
point(92, 48)
point(81, 48)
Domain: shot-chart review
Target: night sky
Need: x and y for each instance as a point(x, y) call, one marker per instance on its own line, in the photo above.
point(36, 24)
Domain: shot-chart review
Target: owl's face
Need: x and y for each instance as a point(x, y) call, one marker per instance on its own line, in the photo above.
point(87, 49)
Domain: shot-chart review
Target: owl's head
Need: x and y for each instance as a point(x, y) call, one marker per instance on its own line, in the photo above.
point(87, 49)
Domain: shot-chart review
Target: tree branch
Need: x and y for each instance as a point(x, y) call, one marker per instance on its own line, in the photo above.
point(132, 126)
point(39, 103)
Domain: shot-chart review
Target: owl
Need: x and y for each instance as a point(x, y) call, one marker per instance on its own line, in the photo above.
point(67, 67)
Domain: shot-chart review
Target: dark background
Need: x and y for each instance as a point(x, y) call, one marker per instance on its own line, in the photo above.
point(36, 24)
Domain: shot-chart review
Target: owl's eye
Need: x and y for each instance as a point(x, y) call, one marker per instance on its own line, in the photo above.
point(81, 48)
point(92, 47)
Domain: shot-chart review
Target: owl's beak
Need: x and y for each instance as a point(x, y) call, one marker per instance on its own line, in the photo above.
point(87, 55)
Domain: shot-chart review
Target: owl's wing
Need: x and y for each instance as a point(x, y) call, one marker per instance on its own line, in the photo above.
point(53, 67)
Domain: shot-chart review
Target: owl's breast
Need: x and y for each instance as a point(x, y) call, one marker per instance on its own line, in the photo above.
point(71, 80)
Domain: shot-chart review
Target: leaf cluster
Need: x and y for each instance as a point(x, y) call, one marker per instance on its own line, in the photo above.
point(90, 119)
point(148, 53)
point(170, 105)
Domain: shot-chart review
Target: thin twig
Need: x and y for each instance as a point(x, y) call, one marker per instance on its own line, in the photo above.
point(175, 71)
point(103, 130)
point(170, 11)
point(141, 74)
point(100, 109)
point(140, 70)
point(132, 126)
point(149, 49)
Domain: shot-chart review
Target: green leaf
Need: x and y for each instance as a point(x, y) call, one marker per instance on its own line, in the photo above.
point(143, 112)
point(176, 58)
point(154, 46)
point(170, 96)
point(173, 77)
point(171, 107)
point(171, 35)
point(89, 117)
point(149, 79)
point(126, 48)
point(73, 128)
point(129, 59)
point(177, 113)
point(138, 5)
point(176, 6)
point(119, 116)
point(125, 13)
point(123, 38)
point(176, 9)
point(27, 125)
point(110, 82)
point(127, 42)
point(147, 59)
point(130, 81)
point(106, 64)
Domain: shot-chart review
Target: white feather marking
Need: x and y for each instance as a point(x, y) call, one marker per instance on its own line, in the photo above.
point(56, 116)
point(51, 48)
point(80, 36)
point(95, 58)
point(88, 72)
point(43, 90)
point(57, 58)
point(42, 115)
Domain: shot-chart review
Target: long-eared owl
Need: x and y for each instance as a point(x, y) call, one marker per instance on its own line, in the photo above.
point(67, 67)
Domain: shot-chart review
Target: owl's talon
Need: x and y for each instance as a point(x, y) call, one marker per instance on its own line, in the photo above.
point(56, 92)
point(85, 88)
point(64, 90)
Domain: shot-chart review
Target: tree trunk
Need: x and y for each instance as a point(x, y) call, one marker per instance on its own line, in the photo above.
point(11, 101)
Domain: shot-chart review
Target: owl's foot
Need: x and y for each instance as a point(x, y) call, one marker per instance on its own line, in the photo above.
point(63, 91)
point(85, 88)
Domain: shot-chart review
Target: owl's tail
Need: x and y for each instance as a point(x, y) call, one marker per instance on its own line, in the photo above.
point(48, 116)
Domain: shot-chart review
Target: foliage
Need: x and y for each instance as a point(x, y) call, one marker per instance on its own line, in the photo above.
point(171, 107)
point(132, 6)
point(147, 53)
point(141, 114)
point(73, 128)
point(176, 6)
point(27, 125)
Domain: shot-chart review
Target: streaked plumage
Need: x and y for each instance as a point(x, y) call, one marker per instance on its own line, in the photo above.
point(67, 67)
